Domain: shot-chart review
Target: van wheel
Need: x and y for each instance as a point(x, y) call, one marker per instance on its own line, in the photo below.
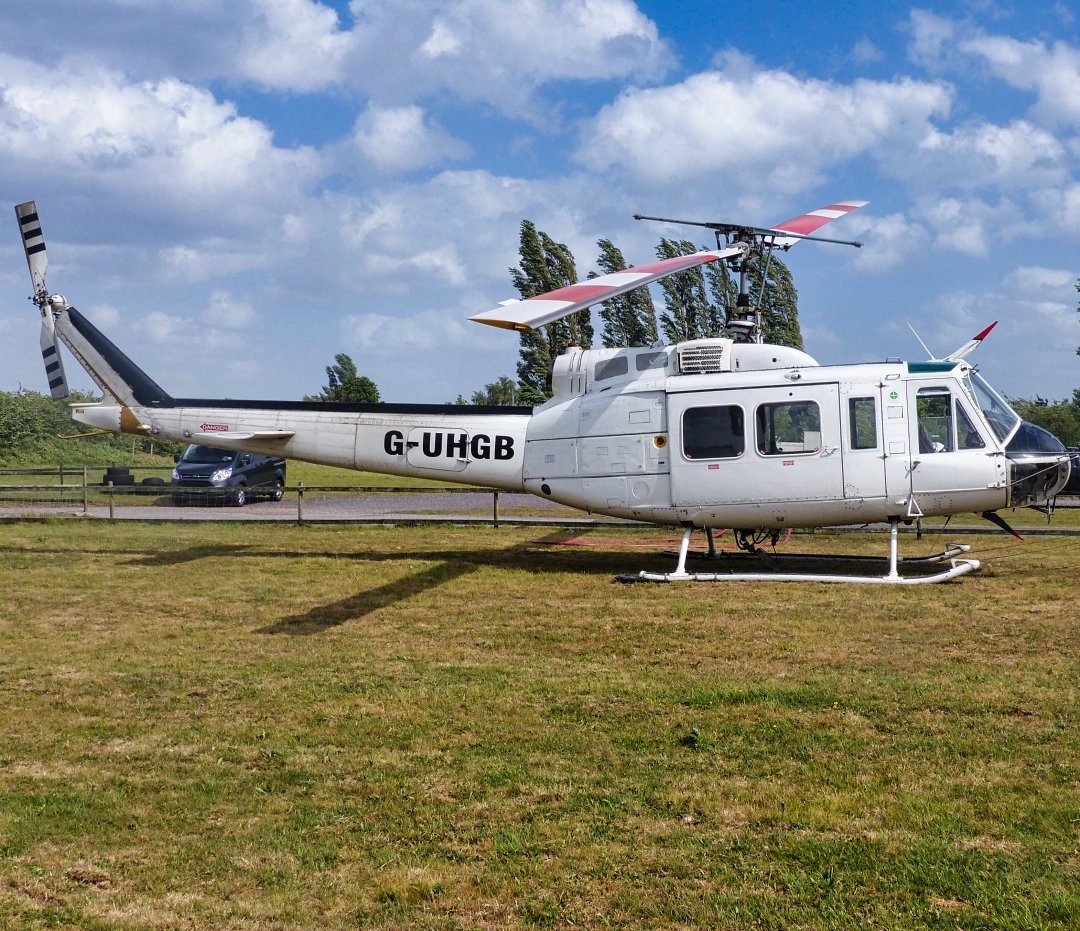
point(240, 497)
point(279, 491)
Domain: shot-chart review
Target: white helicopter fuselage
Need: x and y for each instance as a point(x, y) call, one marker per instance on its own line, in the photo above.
point(709, 433)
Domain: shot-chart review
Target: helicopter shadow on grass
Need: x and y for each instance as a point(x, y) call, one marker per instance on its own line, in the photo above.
point(531, 556)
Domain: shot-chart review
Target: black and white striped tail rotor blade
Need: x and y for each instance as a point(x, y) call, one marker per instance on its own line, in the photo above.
point(34, 244)
point(54, 365)
point(38, 261)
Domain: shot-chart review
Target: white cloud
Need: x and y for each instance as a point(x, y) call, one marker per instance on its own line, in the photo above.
point(291, 45)
point(970, 225)
point(931, 38)
point(757, 127)
point(979, 154)
point(497, 52)
point(1052, 72)
point(428, 330)
point(865, 51)
point(403, 138)
point(1061, 208)
point(165, 140)
point(890, 242)
point(105, 316)
point(226, 312)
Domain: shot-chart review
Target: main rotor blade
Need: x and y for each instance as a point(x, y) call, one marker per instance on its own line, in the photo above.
point(805, 225)
point(546, 308)
point(33, 244)
point(971, 345)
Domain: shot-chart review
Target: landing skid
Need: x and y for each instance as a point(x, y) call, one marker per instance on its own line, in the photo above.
point(957, 568)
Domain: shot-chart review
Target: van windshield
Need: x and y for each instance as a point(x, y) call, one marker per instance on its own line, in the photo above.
point(207, 454)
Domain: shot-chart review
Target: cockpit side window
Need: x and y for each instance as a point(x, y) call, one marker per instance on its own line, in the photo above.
point(934, 409)
point(995, 409)
point(967, 437)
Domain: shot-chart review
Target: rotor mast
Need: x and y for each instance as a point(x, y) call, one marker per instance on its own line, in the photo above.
point(743, 322)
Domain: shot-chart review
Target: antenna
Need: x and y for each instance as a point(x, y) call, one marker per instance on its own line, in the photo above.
point(926, 349)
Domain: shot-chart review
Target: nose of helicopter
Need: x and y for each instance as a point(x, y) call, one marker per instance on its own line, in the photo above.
point(1039, 465)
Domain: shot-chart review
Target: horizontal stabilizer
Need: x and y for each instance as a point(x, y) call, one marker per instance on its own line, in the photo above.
point(543, 309)
point(212, 439)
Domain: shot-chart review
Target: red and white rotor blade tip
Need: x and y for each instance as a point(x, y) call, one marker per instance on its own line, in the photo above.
point(546, 308)
point(810, 223)
point(971, 345)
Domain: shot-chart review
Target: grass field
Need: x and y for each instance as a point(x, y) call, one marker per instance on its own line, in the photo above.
point(251, 727)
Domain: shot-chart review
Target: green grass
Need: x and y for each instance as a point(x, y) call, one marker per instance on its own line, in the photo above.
point(278, 727)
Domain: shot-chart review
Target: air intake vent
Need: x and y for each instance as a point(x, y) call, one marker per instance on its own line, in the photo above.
point(704, 356)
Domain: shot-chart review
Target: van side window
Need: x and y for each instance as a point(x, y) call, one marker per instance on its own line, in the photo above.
point(934, 409)
point(713, 432)
point(862, 423)
point(788, 429)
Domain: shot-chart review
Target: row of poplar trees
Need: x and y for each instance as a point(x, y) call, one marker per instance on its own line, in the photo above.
point(695, 304)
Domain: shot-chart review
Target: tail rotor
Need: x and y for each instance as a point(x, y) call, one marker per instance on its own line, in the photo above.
point(49, 304)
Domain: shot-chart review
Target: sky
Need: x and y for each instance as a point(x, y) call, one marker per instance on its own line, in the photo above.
point(235, 192)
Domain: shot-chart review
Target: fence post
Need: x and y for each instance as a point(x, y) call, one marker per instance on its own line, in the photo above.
point(112, 501)
point(300, 502)
point(495, 508)
point(85, 492)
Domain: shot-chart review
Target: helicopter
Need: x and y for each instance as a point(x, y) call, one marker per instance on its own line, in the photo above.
point(727, 432)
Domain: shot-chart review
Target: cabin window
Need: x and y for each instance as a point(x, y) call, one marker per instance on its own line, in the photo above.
point(862, 423)
point(789, 429)
point(713, 432)
point(611, 368)
point(650, 360)
point(967, 437)
point(934, 409)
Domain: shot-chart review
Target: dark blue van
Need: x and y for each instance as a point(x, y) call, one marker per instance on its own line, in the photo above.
point(207, 475)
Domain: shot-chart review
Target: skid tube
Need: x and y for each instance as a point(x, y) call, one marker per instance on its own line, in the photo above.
point(957, 568)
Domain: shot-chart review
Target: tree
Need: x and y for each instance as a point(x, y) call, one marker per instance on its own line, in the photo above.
point(630, 318)
point(499, 393)
point(688, 313)
point(1062, 418)
point(545, 266)
point(779, 302)
point(344, 383)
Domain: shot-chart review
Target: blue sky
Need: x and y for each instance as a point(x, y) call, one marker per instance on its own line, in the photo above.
point(236, 192)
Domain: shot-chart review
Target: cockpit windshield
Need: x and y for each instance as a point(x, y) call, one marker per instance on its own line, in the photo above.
point(207, 454)
point(1002, 418)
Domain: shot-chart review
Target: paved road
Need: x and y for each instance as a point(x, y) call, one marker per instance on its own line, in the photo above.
point(430, 507)
point(465, 507)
